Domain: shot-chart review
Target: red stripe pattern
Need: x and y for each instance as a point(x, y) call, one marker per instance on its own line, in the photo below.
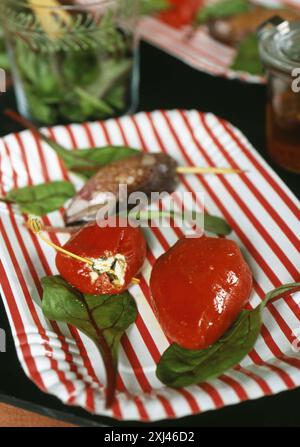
point(264, 216)
point(197, 48)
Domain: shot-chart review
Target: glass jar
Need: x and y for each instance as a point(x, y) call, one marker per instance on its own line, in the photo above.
point(279, 48)
point(72, 60)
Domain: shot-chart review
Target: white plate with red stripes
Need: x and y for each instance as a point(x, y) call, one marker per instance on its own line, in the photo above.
point(197, 48)
point(264, 216)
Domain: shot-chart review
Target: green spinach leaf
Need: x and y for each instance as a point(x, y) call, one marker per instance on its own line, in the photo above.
point(180, 367)
point(216, 225)
point(222, 9)
point(86, 162)
point(101, 156)
point(102, 318)
point(43, 198)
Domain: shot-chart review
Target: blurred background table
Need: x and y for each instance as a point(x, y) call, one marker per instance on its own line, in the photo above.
point(165, 83)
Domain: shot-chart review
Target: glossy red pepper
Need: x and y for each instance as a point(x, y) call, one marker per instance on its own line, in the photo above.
point(118, 254)
point(181, 12)
point(198, 290)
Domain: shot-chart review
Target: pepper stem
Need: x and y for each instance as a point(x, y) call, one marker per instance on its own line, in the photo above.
point(36, 226)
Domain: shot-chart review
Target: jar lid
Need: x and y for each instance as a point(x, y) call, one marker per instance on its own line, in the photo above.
point(279, 44)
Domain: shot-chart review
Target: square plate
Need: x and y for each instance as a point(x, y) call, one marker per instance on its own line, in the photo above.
point(264, 216)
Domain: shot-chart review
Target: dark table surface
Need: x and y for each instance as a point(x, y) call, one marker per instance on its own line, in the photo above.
point(167, 83)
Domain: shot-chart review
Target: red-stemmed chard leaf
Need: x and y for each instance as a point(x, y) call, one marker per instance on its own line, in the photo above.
point(85, 162)
point(103, 318)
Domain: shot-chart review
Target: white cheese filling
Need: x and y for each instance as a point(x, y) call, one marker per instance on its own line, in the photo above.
point(113, 266)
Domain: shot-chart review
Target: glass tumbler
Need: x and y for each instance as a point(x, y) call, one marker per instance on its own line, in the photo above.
point(279, 48)
point(72, 61)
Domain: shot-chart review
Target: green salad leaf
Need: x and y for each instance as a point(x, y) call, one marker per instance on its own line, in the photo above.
point(216, 225)
point(89, 67)
point(43, 198)
point(37, 71)
point(101, 156)
point(91, 104)
point(115, 97)
point(86, 162)
point(113, 72)
point(247, 57)
point(74, 76)
point(222, 9)
point(102, 318)
point(180, 367)
point(42, 110)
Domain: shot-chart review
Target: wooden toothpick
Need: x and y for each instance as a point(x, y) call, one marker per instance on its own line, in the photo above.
point(207, 170)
